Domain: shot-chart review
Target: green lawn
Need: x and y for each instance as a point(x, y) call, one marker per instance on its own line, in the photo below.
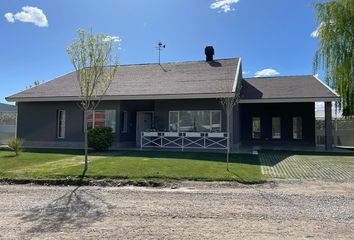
point(133, 165)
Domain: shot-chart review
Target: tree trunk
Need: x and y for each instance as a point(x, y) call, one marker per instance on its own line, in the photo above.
point(228, 138)
point(86, 145)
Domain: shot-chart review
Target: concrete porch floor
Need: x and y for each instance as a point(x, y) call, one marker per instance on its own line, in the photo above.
point(293, 148)
point(246, 149)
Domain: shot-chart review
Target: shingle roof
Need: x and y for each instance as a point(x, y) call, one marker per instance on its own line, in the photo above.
point(142, 81)
point(288, 87)
point(195, 77)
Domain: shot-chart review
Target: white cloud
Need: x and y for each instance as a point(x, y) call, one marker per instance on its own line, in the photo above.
point(9, 17)
point(223, 5)
point(29, 14)
point(112, 38)
point(315, 33)
point(116, 39)
point(245, 72)
point(266, 73)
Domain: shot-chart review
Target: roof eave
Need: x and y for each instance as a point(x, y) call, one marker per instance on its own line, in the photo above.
point(126, 97)
point(328, 87)
point(290, 100)
point(235, 84)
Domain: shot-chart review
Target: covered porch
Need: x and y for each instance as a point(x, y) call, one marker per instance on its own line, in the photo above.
point(283, 126)
point(178, 124)
point(200, 124)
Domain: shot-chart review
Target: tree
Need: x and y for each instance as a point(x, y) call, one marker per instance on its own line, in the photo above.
point(95, 65)
point(335, 50)
point(228, 103)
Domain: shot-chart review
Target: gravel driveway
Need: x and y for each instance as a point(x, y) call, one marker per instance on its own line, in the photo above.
point(191, 210)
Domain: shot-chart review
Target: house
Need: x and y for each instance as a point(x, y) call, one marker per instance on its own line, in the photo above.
point(176, 105)
point(7, 122)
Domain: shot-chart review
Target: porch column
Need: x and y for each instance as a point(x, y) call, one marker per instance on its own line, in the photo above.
point(328, 125)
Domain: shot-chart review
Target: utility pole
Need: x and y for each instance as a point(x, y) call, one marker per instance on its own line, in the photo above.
point(159, 47)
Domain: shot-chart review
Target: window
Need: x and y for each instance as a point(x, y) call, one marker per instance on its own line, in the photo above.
point(61, 124)
point(297, 128)
point(256, 127)
point(195, 121)
point(173, 121)
point(124, 122)
point(215, 121)
point(104, 118)
point(276, 128)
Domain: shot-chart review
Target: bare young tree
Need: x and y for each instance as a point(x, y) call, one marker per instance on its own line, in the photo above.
point(95, 65)
point(228, 104)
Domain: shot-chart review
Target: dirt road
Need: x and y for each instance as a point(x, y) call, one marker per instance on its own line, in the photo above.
point(290, 210)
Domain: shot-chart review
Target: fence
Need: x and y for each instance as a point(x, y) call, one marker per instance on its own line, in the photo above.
point(343, 132)
point(7, 126)
point(184, 140)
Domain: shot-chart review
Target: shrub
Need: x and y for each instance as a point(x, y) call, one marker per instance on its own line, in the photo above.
point(100, 138)
point(15, 144)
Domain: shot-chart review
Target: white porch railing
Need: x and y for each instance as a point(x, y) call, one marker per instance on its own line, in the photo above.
point(184, 140)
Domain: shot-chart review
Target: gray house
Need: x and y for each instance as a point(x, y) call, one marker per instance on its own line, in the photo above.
point(176, 105)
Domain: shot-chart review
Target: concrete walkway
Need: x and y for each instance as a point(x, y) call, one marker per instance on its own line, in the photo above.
point(324, 167)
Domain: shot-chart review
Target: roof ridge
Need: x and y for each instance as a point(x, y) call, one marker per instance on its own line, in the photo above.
point(187, 61)
point(303, 75)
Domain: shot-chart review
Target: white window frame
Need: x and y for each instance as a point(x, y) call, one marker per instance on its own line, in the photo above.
point(274, 136)
point(124, 126)
point(260, 128)
point(61, 123)
point(297, 138)
point(179, 119)
point(104, 110)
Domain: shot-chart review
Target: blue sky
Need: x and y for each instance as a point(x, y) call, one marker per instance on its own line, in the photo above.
point(267, 34)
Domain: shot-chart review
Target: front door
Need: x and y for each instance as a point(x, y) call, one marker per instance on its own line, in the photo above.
point(144, 122)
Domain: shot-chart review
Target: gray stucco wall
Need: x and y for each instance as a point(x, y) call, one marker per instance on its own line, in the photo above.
point(37, 122)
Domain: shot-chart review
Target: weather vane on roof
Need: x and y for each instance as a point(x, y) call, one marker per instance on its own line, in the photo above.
point(159, 47)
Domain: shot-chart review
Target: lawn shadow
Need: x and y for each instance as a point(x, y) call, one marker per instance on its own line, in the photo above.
point(10, 156)
point(75, 209)
point(270, 158)
point(55, 150)
point(195, 156)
